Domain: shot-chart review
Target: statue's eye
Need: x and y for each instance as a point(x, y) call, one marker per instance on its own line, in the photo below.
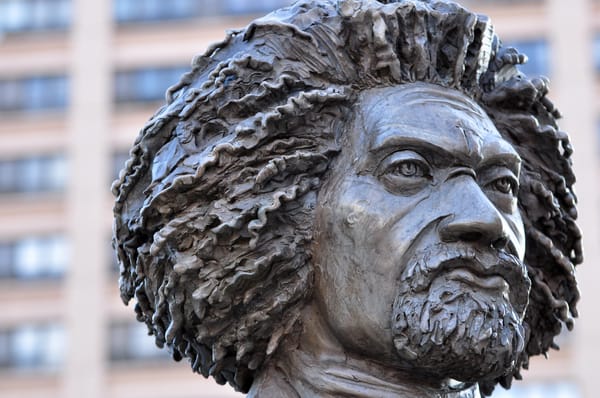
point(501, 185)
point(409, 168)
point(404, 172)
point(505, 185)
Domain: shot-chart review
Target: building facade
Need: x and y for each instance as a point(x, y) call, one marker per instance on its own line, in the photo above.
point(78, 78)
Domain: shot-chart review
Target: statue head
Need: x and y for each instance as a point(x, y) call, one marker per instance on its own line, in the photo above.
point(383, 162)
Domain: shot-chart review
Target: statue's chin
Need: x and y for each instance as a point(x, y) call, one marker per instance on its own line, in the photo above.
point(454, 331)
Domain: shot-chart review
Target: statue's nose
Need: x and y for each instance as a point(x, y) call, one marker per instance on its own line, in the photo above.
point(473, 217)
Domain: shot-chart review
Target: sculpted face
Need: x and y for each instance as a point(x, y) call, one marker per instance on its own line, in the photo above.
point(420, 240)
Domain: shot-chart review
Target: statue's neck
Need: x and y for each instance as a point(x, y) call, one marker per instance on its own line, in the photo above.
point(315, 365)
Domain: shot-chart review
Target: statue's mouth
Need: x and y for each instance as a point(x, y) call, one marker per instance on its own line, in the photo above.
point(495, 283)
point(498, 272)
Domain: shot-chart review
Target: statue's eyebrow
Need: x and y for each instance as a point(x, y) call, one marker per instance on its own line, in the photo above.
point(404, 136)
point(409, 137)
point(509, 159)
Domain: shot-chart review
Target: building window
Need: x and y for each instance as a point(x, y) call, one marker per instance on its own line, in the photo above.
point(32, 347)
point(34, 93)
point(129, 341)
point(33, 174)
point(135, 11)
point(38, 257)
point(128, 11)
point(253, 6)
point(147, 84)
point(34, 15)
point(538, 55)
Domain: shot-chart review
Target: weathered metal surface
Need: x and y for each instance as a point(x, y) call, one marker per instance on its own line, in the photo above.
point(353, 198)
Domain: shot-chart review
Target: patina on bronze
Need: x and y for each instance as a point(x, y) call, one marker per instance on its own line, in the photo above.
point(353, 198)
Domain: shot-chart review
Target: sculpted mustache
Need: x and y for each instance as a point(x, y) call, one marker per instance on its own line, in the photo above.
point(427, 264)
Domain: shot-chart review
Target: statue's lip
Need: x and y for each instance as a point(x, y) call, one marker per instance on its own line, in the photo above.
point(497, 272)
point(488, 282)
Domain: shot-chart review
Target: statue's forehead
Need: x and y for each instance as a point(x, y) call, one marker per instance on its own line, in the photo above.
point(416, 101)
point(429, 113)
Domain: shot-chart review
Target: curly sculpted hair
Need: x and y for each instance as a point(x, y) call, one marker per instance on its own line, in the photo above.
point(215, 207)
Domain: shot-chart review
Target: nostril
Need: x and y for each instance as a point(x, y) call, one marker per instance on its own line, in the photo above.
point(500, 243)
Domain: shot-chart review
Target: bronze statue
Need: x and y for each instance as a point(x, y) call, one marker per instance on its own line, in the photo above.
point(353, 198)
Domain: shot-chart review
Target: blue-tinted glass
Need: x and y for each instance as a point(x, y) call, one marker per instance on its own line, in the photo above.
point(152, 9)
point(61, 92)
point(148, 84)
point(8, 176)
point(10, 95)
point(253, 6)
point(155, 10)
point(127, 11)
point(123, 9)
point(34, 15)
point(537, 52)
point(34, 93)
point(13, 15)
point(34, 257)
point(169, 10)
point(39, 14)
point(40, 257)
point(33, 174)
point(62, 11)
point(32, 347)
point(182, 8)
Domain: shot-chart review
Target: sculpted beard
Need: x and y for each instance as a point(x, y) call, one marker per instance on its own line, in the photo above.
point(459, 312)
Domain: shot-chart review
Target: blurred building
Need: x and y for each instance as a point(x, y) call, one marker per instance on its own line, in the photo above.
point(78, 78)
